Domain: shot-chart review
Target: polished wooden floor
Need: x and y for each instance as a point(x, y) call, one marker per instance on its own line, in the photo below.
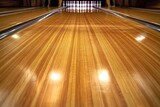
point(145, 15)
point(81, 60)
point(9, 20)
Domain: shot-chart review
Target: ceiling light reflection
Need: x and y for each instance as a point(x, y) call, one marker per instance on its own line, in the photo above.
point(140, 38)
point(55, 76)
point(103, 76)
point(15, 36)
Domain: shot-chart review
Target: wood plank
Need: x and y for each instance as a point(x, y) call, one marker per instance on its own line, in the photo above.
point(140, 14)
point(17, 18)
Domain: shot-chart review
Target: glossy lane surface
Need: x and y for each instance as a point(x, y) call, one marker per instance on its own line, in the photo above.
point(17, 18)
point(139, 14)
point(81, 60)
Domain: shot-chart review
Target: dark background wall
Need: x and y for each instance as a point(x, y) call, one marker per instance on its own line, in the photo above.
point(9, 2)
point(121, 3)
point(25, 3)
point(139, 3)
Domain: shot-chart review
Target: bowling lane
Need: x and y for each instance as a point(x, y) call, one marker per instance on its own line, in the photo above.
point(81, 60)
point(14, 19)
point(139, 14)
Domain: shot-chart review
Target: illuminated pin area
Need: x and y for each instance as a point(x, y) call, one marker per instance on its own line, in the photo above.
point(103, 76)
point(81, 6)
point(15, 36)
point(140, 38)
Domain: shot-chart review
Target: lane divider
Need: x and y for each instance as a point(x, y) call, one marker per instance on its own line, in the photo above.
point(151, 25)
point(21, 26)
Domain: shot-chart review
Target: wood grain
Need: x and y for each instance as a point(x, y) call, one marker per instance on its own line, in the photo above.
point(139, 14)
point(15, 19)
point(81, 60)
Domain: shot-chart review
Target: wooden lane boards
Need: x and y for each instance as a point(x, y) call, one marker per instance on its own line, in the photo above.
point(95, 59)
point(18, 27)
point(149, 24)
